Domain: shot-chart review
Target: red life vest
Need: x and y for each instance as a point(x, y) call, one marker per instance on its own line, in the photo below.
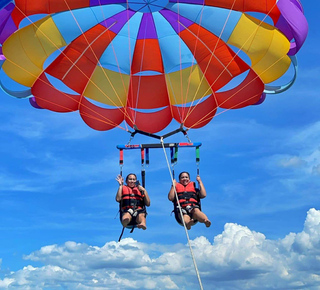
point(132, 198)
point(187, 195)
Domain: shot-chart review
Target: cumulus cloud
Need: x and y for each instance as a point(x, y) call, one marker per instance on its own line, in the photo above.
point(238, 258)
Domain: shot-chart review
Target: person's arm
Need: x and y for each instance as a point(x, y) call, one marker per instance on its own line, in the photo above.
point(202, 190)
point(171, 194)
point(146, 195)
point(119, 192)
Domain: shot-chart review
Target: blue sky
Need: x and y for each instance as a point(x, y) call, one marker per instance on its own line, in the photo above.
point(261, 167)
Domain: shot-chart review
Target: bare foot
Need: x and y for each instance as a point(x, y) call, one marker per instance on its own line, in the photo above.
point(190, 224)
point(125, 222)
point(207, 223)
point(142, 226)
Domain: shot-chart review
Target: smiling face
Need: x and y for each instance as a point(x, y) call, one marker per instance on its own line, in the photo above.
point(131, 180)
point(184, 178)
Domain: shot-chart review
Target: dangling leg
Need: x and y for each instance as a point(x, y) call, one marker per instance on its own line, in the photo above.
point(188, 221)
point(141, 221)
point(197, 214)
point(126, 219)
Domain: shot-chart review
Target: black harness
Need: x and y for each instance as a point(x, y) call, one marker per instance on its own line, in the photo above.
point(130, 205)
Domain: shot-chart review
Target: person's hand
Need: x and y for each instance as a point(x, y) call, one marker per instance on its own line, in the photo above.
point(198, 178)
point(119, 179)
point(141, 188)
point(174, 182)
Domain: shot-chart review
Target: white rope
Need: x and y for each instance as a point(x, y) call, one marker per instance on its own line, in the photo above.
point(184, 224)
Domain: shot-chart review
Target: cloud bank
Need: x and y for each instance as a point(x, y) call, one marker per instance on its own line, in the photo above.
point(238, 258)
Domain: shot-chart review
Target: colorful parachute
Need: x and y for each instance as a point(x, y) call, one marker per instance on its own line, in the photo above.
point(148, 62)
point(7, 26)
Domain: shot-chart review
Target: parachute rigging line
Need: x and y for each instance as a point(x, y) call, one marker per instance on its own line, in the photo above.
point(180, 129)
point(191, 109)
point(98, 60)
point(74, 63)
point(144, 162)
point(188, 92)
point(180, 210)
point(95, 115)
point(173, 154)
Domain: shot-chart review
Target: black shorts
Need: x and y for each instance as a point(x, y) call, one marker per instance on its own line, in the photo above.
point(134, 214)
point(187, 210)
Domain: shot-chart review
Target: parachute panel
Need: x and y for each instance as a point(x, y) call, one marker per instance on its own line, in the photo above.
point(148, 63)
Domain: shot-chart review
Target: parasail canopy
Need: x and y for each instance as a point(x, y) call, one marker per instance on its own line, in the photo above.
point(148, 62)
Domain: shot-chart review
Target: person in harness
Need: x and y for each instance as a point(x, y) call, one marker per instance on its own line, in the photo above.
point(189, 198)
point(133, 199)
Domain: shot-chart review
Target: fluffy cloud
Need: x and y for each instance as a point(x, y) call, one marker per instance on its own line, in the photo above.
point(238, 258)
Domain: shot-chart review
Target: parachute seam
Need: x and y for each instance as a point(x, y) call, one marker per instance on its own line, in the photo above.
point(62, 52)
point(103, 118)
point(191, 110)
point(98, 61)
point(199, 121)
point(118, 66)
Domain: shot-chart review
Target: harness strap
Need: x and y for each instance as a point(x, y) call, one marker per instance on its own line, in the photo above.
point(185, 203)
point(129, 196)
point(121, 234)
point(188, 197)
point(132, 202)
point(187, 194)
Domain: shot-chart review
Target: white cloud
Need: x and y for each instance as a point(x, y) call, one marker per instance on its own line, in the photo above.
point(9, 182)
point(309, 133)
point(53, 169)
point(238, 258)
point(309, 239)
point(39, 124)
point(292, 161)
point(302, 152)
point(4, 284)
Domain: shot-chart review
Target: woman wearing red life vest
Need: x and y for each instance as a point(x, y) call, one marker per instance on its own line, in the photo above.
point(189, 199)
point(133, 199)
